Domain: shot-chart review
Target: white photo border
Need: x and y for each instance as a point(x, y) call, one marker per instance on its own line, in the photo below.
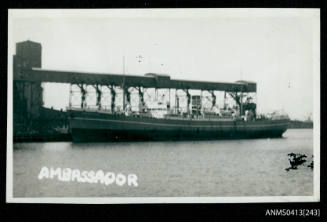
point(313, 14)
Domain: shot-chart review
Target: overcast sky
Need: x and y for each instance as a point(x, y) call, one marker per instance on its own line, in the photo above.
point(274, 48)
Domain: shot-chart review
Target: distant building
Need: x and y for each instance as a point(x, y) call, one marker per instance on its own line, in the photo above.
point(28, 99)
point(30, 52)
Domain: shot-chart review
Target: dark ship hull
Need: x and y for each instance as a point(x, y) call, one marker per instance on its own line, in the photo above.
point(100, 127)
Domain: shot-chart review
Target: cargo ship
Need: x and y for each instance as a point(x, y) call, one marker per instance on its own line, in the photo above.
point(194, 123)
point(89, 126)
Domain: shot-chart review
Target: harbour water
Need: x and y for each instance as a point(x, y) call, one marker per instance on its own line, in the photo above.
point(220, 168)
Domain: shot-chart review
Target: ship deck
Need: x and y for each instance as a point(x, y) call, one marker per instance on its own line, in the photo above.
point(106, 114)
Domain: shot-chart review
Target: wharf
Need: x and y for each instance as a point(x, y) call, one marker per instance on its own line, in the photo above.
point(62, 137)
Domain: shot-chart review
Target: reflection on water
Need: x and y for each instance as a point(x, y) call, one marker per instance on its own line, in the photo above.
point(170, 169)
